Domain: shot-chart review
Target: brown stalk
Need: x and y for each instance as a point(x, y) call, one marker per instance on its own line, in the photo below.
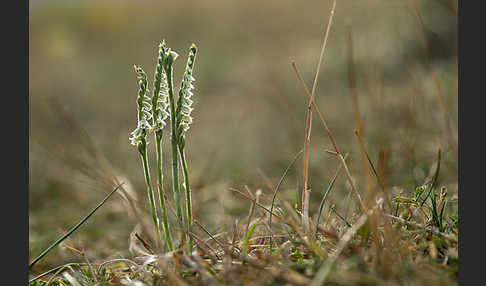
point(424, 228)
point(352, 77)
point(204, 246)
point(256, 203)
point(83, 255)
point(324, 125)
point(208, 233)
point(359, 128)
point(144, 243)
point(306, 192)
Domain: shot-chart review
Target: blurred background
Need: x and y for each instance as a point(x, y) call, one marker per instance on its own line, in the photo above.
point(250, 108)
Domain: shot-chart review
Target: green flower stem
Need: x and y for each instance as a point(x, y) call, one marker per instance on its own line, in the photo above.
point(158, 116)
point(165, 221)
point(142, 149)
point(175, 155)
point(188, 195)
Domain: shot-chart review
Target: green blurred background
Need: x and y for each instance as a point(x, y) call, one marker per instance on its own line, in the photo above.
point(250, 109)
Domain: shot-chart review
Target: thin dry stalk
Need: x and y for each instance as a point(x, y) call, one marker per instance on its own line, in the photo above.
point(324, 125)
point(419, 226)
point(308, 128)
point(204, 246)
point(144, 243)
point(85, 258)
point(208, 233)
point(358, 125)
point(93, 274)
point(256, 203)
point(306, 191)
point(352, 77)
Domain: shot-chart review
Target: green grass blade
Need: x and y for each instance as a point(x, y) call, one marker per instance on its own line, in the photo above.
point(341, 217)
point(163, 207)
point(247, 238)
point(436, 175)
point(441, 216)
point(324, 198)
point(278, 187)
point(363, 148)
point(74, 228)
point(375, 172)
point(188, 196)
point(56, 269)
point(208, 233)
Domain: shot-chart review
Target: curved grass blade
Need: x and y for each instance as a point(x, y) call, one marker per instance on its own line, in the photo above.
point(363, 148)
point(436, 175)
point(53, 277)
point(208, 233)
point(56, 269)
point(74, 228)
point(324, 198)
point(278, 187)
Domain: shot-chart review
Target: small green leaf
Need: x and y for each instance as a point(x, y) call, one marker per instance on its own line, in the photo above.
point(419, 191)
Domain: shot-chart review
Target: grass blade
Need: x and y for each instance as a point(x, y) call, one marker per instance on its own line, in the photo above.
point(363, 149)
point(248, 235)
point(56, 269)
point(278, 187)
point(208, 233)
point(74, 228)
point(434, 182)
point(324, 198)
